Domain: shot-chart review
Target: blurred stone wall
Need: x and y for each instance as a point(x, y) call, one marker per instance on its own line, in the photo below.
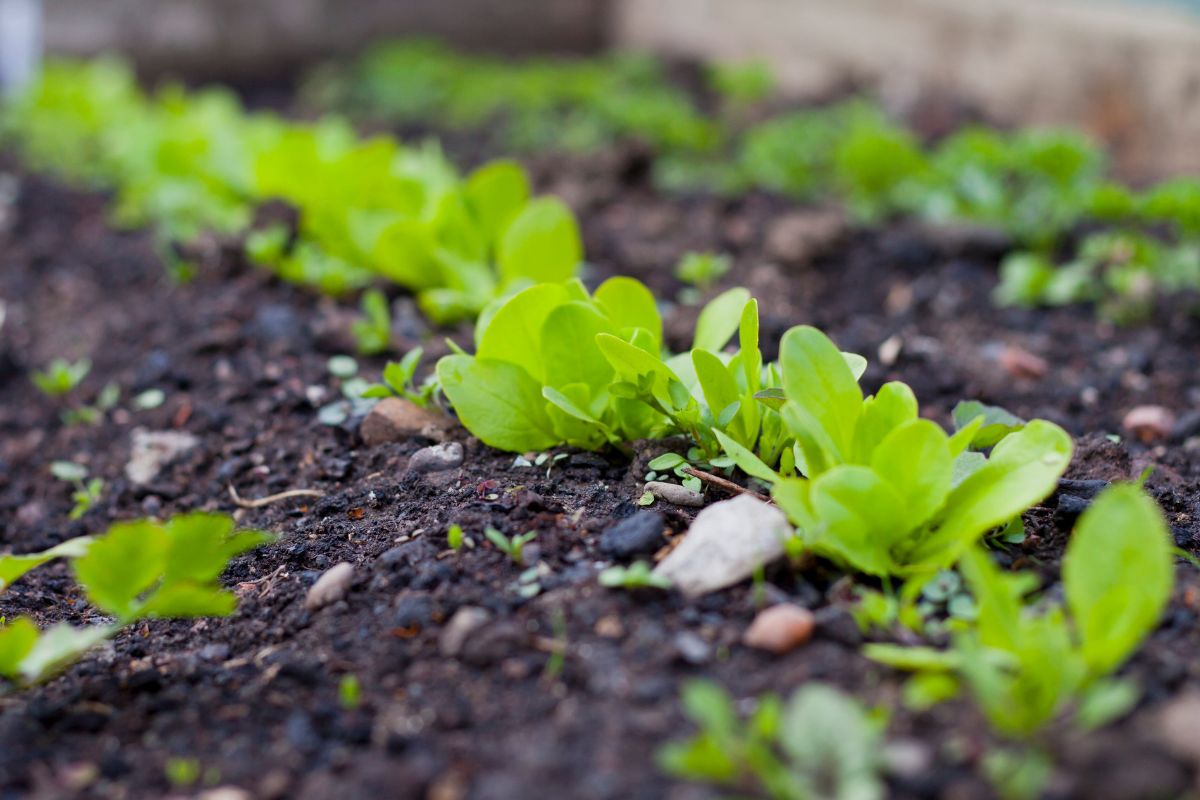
point(1128, 74)
point(267, 39)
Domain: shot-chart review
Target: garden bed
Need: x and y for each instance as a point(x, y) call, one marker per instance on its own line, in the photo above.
point(570, 692)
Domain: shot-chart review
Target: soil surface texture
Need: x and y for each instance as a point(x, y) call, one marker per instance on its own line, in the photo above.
point(472, 686)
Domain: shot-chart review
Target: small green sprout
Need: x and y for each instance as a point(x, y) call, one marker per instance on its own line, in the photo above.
point(398, 381)
point(637, 575)
point(647, 499)
point(87, 492)
point(61, 376)
point(510, 547)
point(342, 366)
point(820, 743)
point(182, 773)
point(349, 692)
point(702, 270)
point(374, 331)
point(454, 537)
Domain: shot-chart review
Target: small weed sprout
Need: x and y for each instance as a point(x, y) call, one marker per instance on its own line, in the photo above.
point(514, 547)
point(399, 381)
point(87, 492)
point(374, 331)
point(702, 270)
point(637, 575)
point(454, 537)
point(182, 773)
point(349, 692)
point(61, 377)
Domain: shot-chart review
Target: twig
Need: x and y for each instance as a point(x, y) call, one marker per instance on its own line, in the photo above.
point(722, 483)
point(271, 498)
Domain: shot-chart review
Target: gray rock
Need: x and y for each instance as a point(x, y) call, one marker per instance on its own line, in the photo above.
point(466, 621)
point(727, 542)
point(1179, 726)
point(150, 451)
point(675, 494)
point(437, 458)
point(632, 536)
point(330, 587)
point(692, 649)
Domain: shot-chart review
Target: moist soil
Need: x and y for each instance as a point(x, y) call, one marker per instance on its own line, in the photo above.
point(567, 693)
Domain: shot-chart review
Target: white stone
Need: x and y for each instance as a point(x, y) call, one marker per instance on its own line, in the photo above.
point(150, 451)
point(726, 543)
point(330, 587)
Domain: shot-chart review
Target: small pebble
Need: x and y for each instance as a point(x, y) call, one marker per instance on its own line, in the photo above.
point(1020, 363)
point(692, 649)
point(330, 587)
point(466, 621)
point(634, 535)
point(1149, 423)
point(436, 458)
point(676, 494)
point(393, 420)
point(780, 628)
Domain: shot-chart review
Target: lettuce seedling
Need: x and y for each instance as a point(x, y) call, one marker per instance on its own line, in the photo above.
point(821, 743)
point(554, 365)
point(884, 492)
point(702, 270)
point(373, 332)
point(513, 546)
point(398, 380)
point(135, 570)
point(61, 377)
point(1027, 664)
point(87, 492)
point(638, 575)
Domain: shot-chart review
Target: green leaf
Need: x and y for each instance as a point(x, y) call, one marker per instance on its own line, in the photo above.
point(720, 319)
point(498, 402)
point(57, 647)
point(1106, 701)
point(750, 464)
point(513, 334)
point(629, 304)
point(858, 515)
point(68, 471)
point(569, 350)
point(17, 639)
point(912, 659)
point(997, 422)
point(1024, 469)
point(718, 384)
point(189, 599)
point(832, 742)
point(199, 546)
point(119, 566)
point(1117, 575)
point(541, 244)
point(13, 567)
point(817, 379)
point(915, 460)
point(892, 406)
point(495, 193)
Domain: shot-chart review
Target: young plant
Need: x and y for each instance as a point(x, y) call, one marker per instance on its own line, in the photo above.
point(373, 332)
point(1028, 664)
point(702, 270)
point(884, 492)
point(820, 744)
point(554, 365)
point(61, 377)
point(87, 492)
point(398, 381)
point(512, 547)
point(134, 571)
point(638, 575)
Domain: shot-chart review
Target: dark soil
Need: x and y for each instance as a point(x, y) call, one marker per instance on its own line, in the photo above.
point(254, 698)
